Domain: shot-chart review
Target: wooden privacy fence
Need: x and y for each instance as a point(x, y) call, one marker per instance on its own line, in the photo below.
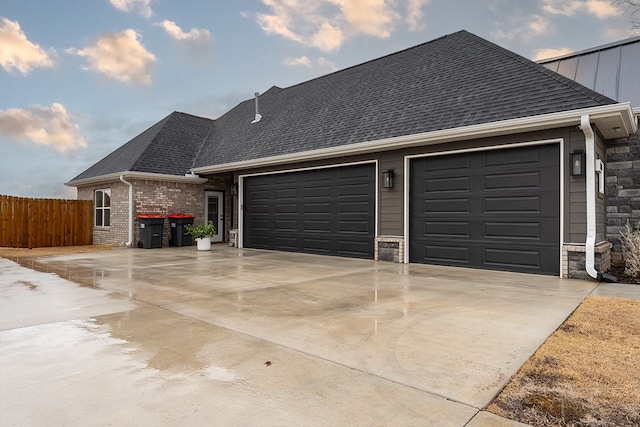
point(36, 223)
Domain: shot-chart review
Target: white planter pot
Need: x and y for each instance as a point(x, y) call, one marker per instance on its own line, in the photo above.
point(204, 244)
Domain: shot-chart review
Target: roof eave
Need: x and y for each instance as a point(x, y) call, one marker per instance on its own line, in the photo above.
point(135, 175)
point(613, 121)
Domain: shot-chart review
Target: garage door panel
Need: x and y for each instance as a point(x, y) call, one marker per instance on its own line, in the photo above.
point(449, 164)
point(449, 206)
point(316, 245)
point(284, 243)
point(286, 193)
point(286, 225)
point(513, 205)
point(357, 190)
point(509, 181)
point(509, 218)
point(438, 185)
point(513, 231)
point(505, 158)
point(316, 207)
point(346, 208)
point(335, 206)
point(448, 254)
point(284, 208)
point(512, 259)
point(354, 227)
point(321, 191)
point(442, 229)
point(351, 248)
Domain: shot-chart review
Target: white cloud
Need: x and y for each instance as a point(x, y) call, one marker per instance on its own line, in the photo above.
point(51, 126)
point(302, 61)
point(524, 28)
point(599, 8)
point(144, 6)
point(326, 65)
point(120, 56)
point(328, 38)
point(17, 52)
point(371, 17)
point(415, 14)
point(548, 53)
point(326, 24)
point(321, 64)
point(195, 35)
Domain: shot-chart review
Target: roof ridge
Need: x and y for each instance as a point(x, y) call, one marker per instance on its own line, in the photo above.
point(146, 150)
point(202, 143)
point(342, 70)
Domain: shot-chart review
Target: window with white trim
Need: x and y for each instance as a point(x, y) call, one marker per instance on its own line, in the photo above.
point(102, 204)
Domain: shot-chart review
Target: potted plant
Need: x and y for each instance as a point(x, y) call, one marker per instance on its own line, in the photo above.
point(203, 234)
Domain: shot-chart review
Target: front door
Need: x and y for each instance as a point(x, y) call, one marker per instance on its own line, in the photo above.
point(214, 211)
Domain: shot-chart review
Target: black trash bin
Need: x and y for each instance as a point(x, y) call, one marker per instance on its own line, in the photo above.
point(178, 224)
point(150, 231)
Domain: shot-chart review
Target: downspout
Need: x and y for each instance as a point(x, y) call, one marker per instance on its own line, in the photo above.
point(590, 148)
point(130, 210)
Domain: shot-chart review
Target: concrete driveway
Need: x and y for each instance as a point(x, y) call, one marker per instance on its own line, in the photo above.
point(174, 336)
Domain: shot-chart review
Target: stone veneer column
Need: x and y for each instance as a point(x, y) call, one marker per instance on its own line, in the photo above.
point(389, 248)
point(623, 189)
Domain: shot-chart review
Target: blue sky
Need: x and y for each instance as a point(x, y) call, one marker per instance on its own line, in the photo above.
point(79, 78)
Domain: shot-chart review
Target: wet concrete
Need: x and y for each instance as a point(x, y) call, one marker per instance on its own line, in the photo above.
point(174, 336)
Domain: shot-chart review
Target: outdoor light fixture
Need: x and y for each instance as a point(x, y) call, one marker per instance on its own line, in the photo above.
point(578, 161)
point(234, 189)
point(387, 179)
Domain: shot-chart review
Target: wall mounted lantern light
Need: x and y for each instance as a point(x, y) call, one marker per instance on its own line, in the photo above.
point(578, 162)
point(387, 179)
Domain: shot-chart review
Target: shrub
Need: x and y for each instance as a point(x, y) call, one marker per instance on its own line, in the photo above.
point(630, 240)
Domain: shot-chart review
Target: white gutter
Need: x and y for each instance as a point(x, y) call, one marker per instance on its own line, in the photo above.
point(590, 243)
point(621, 112)
point(130, 210)
point(191, 179)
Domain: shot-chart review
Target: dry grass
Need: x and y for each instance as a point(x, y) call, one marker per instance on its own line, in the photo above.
point(586, 374)
point(15, 253)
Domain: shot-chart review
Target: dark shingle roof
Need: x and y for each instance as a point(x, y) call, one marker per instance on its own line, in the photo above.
point(168, 147)
point(454, 81)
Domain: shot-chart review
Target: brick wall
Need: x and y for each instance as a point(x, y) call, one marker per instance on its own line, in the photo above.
point(118, 233)
point(164, 198)
point(623, 189)
point(150, 197)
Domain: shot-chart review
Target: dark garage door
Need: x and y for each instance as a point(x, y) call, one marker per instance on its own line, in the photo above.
point(322, 211)
point(496, 209)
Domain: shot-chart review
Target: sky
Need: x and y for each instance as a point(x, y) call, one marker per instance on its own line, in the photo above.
point(80, 78)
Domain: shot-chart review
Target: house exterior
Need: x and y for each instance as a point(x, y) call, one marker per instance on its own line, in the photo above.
point(454, 152)
point(613, 70)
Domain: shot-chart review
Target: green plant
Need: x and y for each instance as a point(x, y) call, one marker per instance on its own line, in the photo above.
point(630, 240)
point(200, 231)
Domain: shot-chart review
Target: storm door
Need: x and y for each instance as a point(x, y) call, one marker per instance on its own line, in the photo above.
point(214, 211)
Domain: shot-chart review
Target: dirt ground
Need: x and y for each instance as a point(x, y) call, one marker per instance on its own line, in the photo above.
point(585, 374)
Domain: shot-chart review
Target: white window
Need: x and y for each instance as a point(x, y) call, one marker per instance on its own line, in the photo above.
point(102, 203)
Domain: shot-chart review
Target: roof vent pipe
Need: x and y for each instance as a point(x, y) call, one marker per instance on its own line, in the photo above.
point(258, 116)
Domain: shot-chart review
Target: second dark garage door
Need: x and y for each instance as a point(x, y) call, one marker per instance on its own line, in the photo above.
point(495, 209)
point(327, 211)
